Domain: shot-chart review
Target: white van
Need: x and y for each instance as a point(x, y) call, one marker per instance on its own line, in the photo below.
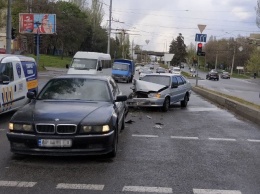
point(89, 63)
point(18, 75)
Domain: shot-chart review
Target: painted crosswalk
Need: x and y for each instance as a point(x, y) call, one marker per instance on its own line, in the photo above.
point(126, 188)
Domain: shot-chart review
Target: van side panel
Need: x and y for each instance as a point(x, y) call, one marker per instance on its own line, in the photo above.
point(30, 72)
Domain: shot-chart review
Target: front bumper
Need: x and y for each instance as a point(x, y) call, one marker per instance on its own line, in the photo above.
point(81, 144)
point(120, 78)
point(145, 102)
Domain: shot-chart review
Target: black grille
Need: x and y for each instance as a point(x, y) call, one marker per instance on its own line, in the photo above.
point(66, 129)
point(43, 128)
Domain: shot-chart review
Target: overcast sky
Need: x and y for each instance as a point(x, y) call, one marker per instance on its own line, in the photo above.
point(160, 21)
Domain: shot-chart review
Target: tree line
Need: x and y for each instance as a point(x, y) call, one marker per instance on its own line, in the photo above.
point(77, 28)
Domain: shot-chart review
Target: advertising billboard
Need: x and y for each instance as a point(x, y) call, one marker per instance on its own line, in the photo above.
point(37, 23)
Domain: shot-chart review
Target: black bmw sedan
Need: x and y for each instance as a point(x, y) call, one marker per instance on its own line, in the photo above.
point(71, 115)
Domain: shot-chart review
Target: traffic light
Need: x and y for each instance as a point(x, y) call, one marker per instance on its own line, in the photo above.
point(13, 33)
point(199, 50)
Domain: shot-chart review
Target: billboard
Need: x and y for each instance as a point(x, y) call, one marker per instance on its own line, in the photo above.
point(37, 23)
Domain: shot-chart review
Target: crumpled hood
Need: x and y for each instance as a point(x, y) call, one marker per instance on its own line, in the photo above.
point(66, 112)
point(144, 86)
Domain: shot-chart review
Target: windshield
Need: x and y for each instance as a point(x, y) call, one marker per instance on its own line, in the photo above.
point(163, 80)
point(75, 89)
point(84, 63)
point(120, 66)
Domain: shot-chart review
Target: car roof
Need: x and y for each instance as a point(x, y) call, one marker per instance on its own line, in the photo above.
point(85, 76)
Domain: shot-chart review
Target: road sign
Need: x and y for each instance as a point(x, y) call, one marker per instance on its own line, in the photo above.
point(201, 37)
point(201, 27)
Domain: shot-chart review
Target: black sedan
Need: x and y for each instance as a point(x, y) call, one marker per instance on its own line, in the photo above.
point(212, 75)
point(72, 115)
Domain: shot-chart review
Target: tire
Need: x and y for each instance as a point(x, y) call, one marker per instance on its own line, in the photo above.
point(113, 153)
point(166, 104)
point(184, 102)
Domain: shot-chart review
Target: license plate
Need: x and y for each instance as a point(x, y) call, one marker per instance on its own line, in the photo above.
point(55, 142)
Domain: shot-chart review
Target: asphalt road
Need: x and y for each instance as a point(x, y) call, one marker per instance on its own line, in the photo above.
point(201, 149)
point(247, 89)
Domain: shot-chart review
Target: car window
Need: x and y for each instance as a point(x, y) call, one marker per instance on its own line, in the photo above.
point(180, 81)
point(174, 81)
point(75, 89)
point(163, 80)
point(183, 79)
point(115, 88)
point(7, 70)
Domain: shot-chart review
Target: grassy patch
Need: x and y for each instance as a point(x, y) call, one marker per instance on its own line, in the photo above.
point(52, 61)
point(233, 98)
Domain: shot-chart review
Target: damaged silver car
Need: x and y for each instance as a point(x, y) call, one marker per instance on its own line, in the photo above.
point(160, 90)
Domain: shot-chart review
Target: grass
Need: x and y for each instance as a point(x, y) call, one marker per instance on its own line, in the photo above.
point(234, 98)
point(52, 61)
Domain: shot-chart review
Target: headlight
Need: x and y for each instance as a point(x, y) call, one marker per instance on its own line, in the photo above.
point(20, 127)
point(154, 95)
point(95, 129)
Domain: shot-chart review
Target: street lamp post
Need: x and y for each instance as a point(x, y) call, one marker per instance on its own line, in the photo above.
point(233, 59)
point(109, 28)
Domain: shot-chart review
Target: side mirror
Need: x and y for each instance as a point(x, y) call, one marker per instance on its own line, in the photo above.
point(31, 95)
point(67, 66)
point(99, 68)
point(121, 98)
point(4, 79)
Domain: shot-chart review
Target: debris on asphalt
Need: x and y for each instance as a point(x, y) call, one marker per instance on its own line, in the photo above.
point(129, 121)
point(149, 117)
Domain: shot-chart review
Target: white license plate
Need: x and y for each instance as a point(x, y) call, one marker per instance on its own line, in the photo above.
point(55, 142)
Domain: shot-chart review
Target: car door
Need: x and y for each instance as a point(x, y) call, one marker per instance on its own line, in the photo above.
point(174, 91)
point(181, 88)
point(13, 94)
point(119, 106)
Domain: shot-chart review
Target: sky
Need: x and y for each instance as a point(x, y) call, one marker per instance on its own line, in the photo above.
point(153, 24)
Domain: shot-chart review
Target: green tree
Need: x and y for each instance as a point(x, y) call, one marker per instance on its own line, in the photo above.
point(253, 64)
point(3, 8)
point(178, 48)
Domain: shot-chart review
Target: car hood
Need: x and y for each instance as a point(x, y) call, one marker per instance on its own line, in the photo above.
point(144, 86)
point(64, 111)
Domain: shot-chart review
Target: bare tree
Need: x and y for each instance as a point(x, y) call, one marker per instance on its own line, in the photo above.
point(258, 14)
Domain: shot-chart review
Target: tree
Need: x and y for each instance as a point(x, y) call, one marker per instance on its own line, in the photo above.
point(3, 6)
point(178, 48)
point(258, 14)
point(253, 64)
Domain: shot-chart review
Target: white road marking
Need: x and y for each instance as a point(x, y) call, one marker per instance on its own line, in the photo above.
point(16, 184)
point(254, 140)
point(222, 139)
point(182, 137)
point(136, 135)
point(210, 191)
point(198, 109)
point(147, 189)
point(80, 186)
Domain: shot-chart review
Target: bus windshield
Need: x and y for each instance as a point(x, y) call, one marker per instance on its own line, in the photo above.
point(84, 63)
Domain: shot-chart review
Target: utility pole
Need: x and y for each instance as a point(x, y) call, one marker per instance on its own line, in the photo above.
point(8, 28)
point(109, 28)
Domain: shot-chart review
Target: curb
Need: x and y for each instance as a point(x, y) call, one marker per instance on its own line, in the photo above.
point(245, 111)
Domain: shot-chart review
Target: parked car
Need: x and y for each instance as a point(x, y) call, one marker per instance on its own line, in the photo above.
point(212, 75)
point(160, 90)
point(160, 70)
point(145, 72)
point(225, 75)
point(72, 115)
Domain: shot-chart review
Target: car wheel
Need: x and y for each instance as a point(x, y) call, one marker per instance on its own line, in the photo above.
point(112, 154)
point(185, 101)
point(166, 104)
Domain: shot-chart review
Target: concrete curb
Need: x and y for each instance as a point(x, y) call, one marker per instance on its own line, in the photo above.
point(245, 111)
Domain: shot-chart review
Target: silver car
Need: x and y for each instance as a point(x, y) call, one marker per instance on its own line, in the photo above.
point(160, 90)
